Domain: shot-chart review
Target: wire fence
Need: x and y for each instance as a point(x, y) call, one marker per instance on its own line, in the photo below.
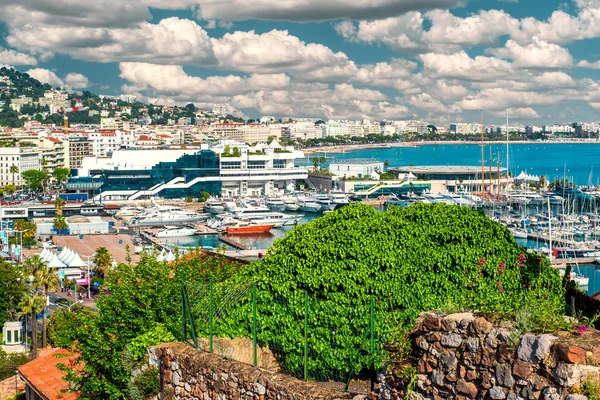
point(297, 334)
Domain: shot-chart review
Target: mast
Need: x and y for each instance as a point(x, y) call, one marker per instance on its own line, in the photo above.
point(491, 178)
point(550, 229)
point(482, 158)
point(498, 198)
point(507, 138)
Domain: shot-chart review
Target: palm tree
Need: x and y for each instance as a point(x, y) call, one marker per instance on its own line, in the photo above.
point(315, 161)
point(386, 164)
point(35, 263)
point(102, 260)
point(32, 305)
point(322, 161)
point(59, 204)
point(46, 278)
point(14, 170)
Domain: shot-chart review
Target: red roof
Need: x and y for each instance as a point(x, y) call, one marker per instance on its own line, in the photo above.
point(45, 378)
point(54, 140)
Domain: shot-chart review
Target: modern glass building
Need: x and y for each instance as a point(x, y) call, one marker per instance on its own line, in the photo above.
point(189, 175)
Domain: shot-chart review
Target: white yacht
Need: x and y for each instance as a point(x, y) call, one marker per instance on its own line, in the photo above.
point(166, 215)
point(339, 199)
point(213, 206)
point(291, 205)
point(309, 205)
point(437, 198)
point(175, 231)
point(458, 199)
point(126, 213)
point(275, 204)
point(263, 215)
point(325, 202)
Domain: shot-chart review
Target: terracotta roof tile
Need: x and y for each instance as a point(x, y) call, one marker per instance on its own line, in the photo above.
point(45, 378)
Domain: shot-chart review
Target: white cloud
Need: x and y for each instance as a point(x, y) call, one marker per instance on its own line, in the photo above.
point(554, 80)
point(77, 81)
point(312, 10)
point(449, 91)
point(522, 112)
point(426, 102)
point(12, 57)
point(486, 27)
point(502, 98)
point(538, 54)
point(45, 76)
point(588, 64)
point(460, 65)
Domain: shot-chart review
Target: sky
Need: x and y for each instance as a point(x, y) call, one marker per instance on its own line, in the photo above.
point(442, 61)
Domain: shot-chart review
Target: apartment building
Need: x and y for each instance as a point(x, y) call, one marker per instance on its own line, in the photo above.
point(24, 158)
point(53, 153)
point(78, 148)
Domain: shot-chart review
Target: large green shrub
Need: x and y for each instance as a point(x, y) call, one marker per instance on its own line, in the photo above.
point(408, 260)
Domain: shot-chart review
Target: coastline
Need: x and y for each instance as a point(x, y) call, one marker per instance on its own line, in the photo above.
point(353, 147)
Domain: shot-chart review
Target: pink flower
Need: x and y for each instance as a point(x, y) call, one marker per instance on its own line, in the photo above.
point(467, 271)
point(481, 261)
point(497, 283)
point(502, 289)
point(581, 329)
point(522, 257)
point(501, 265)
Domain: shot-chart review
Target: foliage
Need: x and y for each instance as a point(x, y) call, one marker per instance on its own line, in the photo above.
point(145, 384)
point(61, 174)
point(102, 260)
point(47, 279)
point(12, 290)
point(139, 346)
point(27, 228)
point(237, 152)
point(408, 260)
point(10, 362)
point(60, 223)
point(589, 388)
point(34, 178)
point(140, 298)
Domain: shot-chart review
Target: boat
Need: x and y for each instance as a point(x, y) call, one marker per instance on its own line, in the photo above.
point(174, 231)
point(518, 234)
point(339, 199)
point(248, 227)
point(458, 199)
point(309, 205)
point(324, 202)
point(400, 201)
point(437, 198)
point(263, 215)
point(213, 206)
point(291, 205)
point(166, 215)
point(275, 204)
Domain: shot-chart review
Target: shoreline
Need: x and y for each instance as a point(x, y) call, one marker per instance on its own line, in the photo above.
point(354, 147)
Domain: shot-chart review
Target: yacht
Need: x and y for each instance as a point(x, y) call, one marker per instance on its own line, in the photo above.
point(291, 205)
point(458, 199)
point(324, 202)
point(400, 201)
point(126, 213)
point(263, 215)
point(339, 199)
point(437, 198)
point(275, 204)
point(309, 205)
point(518, 233)
point(555, 199)
point(213, 206)
point(166, 215)
point(175, 231)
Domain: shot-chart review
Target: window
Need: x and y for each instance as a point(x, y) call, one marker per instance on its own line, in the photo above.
point(256, 164)
point(8, 336)
point(279, 163)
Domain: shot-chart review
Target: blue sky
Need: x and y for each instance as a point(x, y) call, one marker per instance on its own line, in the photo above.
point(365, 59)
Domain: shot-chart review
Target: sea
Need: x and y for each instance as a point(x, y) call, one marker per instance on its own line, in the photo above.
point(577, 162)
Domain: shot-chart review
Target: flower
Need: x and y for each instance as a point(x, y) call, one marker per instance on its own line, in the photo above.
point(502, 289)
point(501, 265)
point(522, 257)
point(581, 329)
point(497, 283)
point(481, 261)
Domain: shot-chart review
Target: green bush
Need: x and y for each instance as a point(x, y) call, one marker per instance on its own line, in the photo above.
point(408, 260)
point(145, 384)
point(10, 362)
point(139, 346)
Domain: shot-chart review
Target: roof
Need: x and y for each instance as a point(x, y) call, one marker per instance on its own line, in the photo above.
point(45, 378)
point(360, 161)
point(443, 169)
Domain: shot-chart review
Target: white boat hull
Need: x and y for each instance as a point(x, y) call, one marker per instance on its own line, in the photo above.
point(176, 233)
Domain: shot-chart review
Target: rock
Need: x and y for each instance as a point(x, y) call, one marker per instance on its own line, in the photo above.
point(568, 375)
point(259, 389)
point(522, 369)
point(490, 339)
point(481, 325)
point(497, 393)
point(530, 393)
point(423, 366)
point(431, 323)
point(576, 397)
point(534, 349)
point(551, 394)
point(174, 365)
point(422, 343)
point(432, 337)
point(504, 376)
point(437, 378)
point(447, 361)
point(473, 344)
point(513, 396)
point(467, 388)
point(451, 340)
point(570, 354)
point(176, 377)
point(187, 387)
point(414, 396)
point(472, 375)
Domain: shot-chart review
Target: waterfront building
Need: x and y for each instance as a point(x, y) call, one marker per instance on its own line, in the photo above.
point(230, 168)
point(454, 178)
point(356, 168)
point(301, 130)
point(24, 158)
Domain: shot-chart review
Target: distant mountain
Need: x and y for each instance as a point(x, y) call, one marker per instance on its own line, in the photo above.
point(21, 85)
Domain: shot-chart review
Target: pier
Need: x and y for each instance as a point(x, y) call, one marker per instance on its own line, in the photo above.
point(563, 262)
point(232, 243)
point(555, 241)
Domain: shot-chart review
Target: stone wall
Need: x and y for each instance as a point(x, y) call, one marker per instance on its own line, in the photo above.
point(464, 356)
point(187, 373)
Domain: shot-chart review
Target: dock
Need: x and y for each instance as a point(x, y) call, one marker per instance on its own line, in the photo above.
point(232, 243)
point(555, 241)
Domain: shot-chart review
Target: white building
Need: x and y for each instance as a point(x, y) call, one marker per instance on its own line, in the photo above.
point(356, 168)
point(24, 158)
point(302, 131)
point(128, 98)
point(220, 109)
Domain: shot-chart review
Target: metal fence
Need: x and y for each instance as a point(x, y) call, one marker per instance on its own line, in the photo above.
point(211, 311)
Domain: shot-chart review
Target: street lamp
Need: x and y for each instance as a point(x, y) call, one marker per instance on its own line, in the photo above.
point(88, 276)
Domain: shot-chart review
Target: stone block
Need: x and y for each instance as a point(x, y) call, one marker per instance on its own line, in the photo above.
point(504, 376)
point(447, 361)
point(466, 388)
point(482, 326)
point(568, 375)
point(451, 340)
point(569, 354)
point(431, 323)
point(534, 349)
point(497, 393)
point(522, 369)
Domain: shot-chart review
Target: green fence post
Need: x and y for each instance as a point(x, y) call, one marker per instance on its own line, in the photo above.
point(254, 324)
point(183, 310)
point(211, 311)
point(305, 336)
point(372, 329)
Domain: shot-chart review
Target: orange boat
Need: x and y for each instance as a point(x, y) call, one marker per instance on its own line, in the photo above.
point(249, 228)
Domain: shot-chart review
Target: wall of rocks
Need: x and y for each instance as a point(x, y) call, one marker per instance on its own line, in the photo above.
point(464, 356)
point(187, 373)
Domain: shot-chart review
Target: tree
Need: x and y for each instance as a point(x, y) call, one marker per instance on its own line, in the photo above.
point(9, 189)
point(60, 223)
point(61, 174)
point(102, 261)
point(59, 205)
point(237, 152)
point(35, 263)
point(227, 151)
point(386, 164)
point(315, 161)
point(543, 182)
point(27, 228)
point(12, 290)
point(32, 305)
point(449, 255)
point(14, 170)
point(322, 161)
point(48, 280)
point(34, 178)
